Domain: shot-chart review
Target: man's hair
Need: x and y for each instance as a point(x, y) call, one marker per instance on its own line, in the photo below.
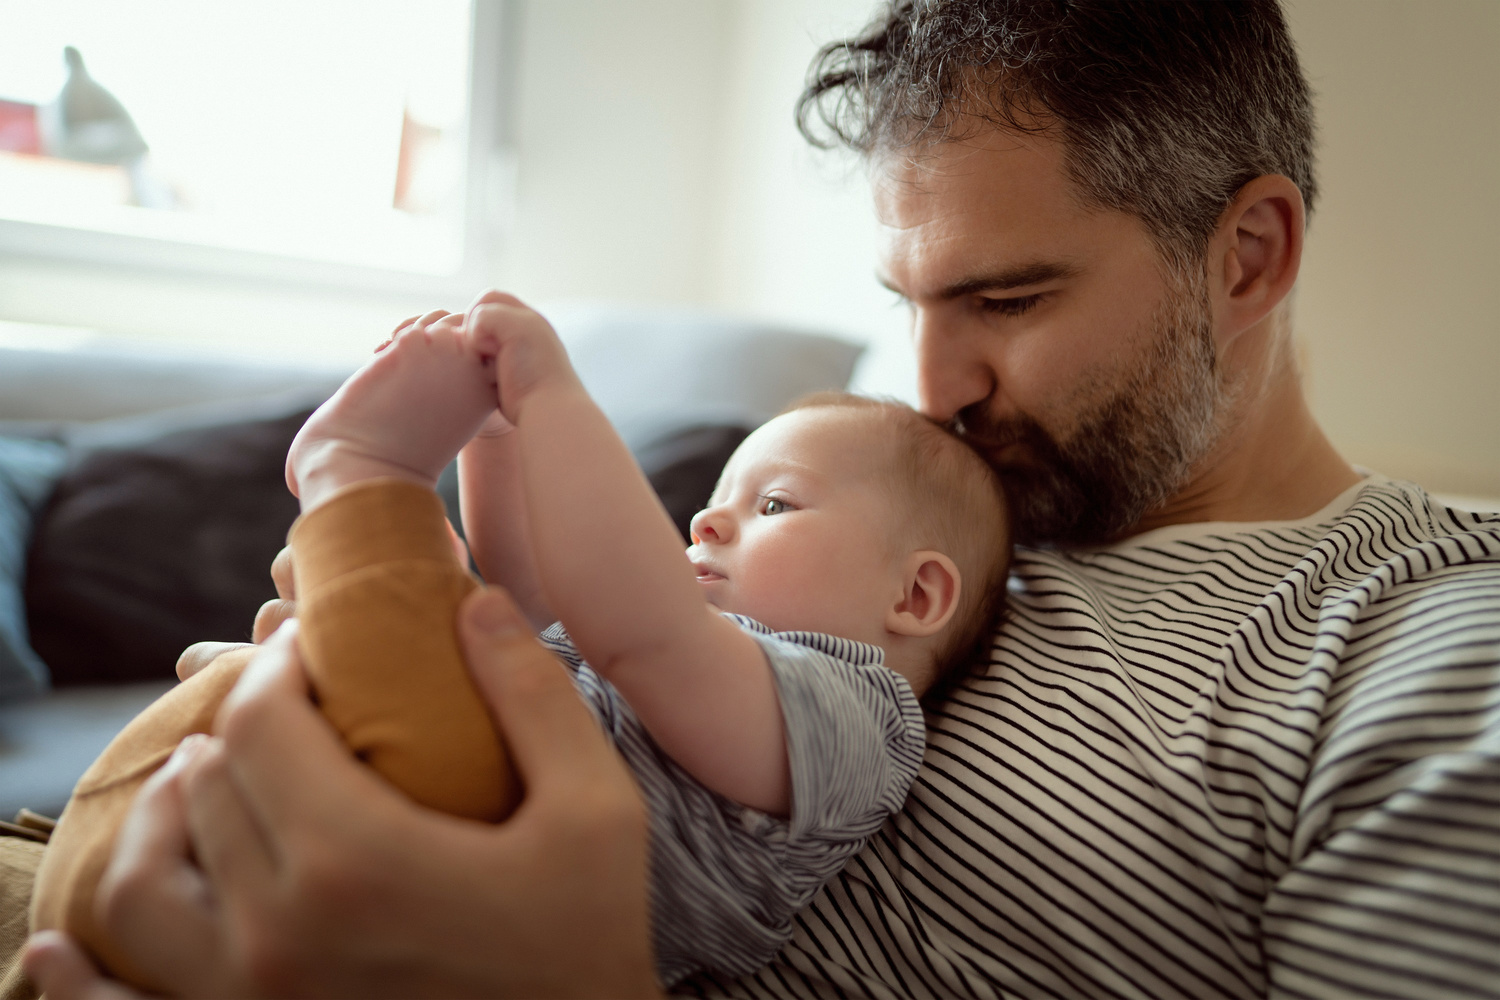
point(950, 500)
point(1164, 109)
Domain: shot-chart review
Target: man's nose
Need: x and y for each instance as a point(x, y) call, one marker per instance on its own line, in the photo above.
point(952, 371)
point(711, 525)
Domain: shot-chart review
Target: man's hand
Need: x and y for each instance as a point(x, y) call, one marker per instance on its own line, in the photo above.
point(63, 972)
point(317, 878)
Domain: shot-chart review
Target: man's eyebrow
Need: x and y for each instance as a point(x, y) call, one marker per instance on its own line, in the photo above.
point(1011, 277)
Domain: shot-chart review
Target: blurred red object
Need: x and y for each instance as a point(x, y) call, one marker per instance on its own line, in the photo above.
point(18, 129)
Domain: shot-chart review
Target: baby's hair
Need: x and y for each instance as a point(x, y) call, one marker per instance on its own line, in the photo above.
point(969, 523)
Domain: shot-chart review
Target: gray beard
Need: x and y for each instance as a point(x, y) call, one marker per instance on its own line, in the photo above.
point(1131, 452)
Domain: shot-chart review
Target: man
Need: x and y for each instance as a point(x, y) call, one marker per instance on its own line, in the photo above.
point(1239, 732)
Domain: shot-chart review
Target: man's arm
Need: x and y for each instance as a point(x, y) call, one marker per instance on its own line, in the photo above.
point(1403, 902)
point(1393, 885)
point(307, 875)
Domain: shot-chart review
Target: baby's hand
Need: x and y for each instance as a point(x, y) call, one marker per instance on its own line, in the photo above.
point(525, 349)
point(404, 414)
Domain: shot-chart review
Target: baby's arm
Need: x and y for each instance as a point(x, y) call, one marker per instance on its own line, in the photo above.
point(611, 564)
point(493, 500)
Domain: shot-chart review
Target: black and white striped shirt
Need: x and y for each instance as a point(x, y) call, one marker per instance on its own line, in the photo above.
point(1214, 760)
point(726, 880)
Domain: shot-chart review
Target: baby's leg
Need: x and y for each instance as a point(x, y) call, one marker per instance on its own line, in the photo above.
point(405, 415)
point(378, 592)
point(378, 588)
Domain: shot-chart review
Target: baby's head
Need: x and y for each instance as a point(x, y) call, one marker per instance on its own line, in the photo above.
point(864, 519)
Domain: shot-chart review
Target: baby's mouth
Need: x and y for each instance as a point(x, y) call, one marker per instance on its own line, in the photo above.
point(706, 573)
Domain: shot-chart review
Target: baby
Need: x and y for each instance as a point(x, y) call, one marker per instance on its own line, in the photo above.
point(764, 690)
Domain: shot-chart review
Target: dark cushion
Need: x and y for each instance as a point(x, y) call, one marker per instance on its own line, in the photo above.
point(146, 549)
point(684, 465)
point(157, 537)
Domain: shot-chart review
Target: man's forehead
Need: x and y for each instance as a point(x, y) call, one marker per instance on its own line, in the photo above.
point(959, 209)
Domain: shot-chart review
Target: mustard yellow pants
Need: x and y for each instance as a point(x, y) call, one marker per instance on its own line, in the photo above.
point(378, 587)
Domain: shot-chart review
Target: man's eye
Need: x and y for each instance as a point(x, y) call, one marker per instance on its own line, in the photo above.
point(1010, 307)
point(770, 505)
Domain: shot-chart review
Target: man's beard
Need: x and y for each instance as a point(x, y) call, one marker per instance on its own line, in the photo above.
point(1128, 453)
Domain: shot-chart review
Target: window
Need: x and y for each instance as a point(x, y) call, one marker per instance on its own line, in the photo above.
point(342, 141)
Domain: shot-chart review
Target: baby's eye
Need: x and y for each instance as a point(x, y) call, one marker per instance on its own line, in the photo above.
point(770, 505)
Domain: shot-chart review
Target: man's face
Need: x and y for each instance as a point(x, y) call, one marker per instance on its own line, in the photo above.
point(1049, 332)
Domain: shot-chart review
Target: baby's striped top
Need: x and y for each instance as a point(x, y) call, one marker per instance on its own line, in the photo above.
point(726, 880)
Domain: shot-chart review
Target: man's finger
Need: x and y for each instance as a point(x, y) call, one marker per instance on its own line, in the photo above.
point(201, 654)
point(151, 881)
point(284, 754)
point(553, 738)
point(60, 969)
point(281, 574)
point(460, 547)
point(271, 616)
point(227, 838)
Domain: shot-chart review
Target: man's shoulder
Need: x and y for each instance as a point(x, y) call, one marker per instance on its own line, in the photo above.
point(1431, 603)
point(1388, 562)
point(1383, 534)
point(1382, 503)
point(1403, 544)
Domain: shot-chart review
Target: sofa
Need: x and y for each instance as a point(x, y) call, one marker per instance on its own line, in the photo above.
point(142, 499)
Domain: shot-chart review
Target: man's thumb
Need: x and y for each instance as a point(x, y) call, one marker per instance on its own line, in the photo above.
point(490, 614)
point(552, 736)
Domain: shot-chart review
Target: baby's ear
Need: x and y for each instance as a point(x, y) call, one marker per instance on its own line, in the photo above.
point(930, 587)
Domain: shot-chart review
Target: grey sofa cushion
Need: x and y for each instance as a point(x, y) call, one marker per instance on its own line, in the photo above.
point(65, 387)
point(641, 365)
point(47, 743)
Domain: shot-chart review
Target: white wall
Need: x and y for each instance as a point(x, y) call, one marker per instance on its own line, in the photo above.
point(1399, 303)
point(796, 236)
point(619, 133)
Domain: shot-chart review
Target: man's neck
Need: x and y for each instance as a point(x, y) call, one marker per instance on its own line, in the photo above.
point(1274, 463)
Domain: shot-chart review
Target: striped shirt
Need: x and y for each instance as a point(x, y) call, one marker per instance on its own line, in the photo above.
point(1215, 760)
point(726, 880)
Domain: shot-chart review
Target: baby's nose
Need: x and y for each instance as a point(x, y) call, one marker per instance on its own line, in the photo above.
point(706, 526)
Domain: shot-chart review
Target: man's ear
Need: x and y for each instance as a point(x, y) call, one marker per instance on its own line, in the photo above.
point(1256, 252)
point(929, 595)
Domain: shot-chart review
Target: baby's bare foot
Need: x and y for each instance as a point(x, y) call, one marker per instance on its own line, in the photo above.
point(405, 414)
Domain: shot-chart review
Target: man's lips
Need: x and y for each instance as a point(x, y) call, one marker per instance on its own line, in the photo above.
point(1010, 453)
